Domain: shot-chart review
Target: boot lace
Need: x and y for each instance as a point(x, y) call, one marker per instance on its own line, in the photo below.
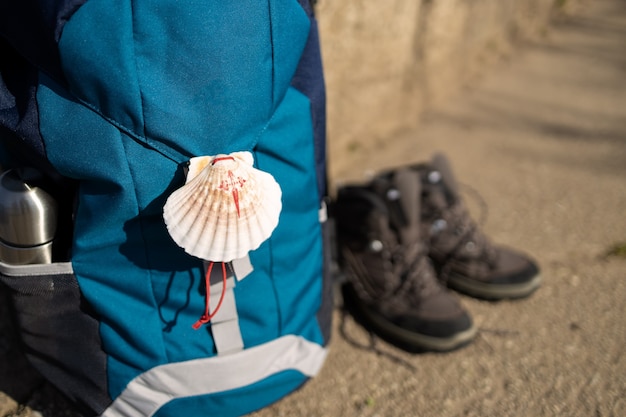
point(415, 270)
point(470, 243)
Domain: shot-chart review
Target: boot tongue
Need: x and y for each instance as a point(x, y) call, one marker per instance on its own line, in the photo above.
point(442, 174)
point(402, 195)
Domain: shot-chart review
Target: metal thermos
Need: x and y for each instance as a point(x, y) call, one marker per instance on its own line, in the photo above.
point(28, 218)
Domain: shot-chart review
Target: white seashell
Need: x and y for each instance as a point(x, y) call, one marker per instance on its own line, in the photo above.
point(225, 209)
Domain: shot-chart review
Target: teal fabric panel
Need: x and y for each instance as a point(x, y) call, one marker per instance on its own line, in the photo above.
point(105, 77)
point(232, 403)
point(194, 79)
point(287, 150)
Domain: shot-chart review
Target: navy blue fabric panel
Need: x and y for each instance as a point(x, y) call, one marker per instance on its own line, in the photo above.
point(33, 28)
point(309, 80)
point(18, 107)
point(307, 6)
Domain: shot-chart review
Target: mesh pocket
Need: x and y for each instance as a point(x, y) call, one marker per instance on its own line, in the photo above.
point(59, 333)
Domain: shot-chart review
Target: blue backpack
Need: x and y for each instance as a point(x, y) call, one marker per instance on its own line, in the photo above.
point(109, 101)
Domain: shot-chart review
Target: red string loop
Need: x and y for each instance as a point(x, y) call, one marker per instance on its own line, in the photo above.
point(206, 317)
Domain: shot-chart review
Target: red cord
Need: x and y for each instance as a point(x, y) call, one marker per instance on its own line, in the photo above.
point(206, 317)
point(222, 158)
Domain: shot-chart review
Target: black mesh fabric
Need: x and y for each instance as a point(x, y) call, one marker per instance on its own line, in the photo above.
point(60, 337)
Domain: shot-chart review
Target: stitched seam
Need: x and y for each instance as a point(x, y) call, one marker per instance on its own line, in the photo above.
point(164, 150)
point(136, 198)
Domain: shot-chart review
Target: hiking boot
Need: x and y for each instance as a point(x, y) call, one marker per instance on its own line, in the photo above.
point(391, 284)
point(463, 256)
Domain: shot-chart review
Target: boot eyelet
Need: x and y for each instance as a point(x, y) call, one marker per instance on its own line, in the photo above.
point(376, 246)
point(434, 177)
point(393, 194)
point(438, 226)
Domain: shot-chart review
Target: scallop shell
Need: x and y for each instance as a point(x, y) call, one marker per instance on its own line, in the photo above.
point(225, 209)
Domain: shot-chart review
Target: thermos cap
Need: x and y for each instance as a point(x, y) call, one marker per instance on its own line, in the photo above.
point(28, 214)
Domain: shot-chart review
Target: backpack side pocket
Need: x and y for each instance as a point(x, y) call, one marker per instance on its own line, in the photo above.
point(59, 332)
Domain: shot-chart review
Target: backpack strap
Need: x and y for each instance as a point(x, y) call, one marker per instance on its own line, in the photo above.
point(225, 323)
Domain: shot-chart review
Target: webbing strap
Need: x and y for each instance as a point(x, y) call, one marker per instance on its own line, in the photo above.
point(225, 323)
point(242, 267)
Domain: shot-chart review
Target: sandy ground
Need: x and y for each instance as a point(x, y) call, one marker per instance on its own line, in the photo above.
point(543, 140)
